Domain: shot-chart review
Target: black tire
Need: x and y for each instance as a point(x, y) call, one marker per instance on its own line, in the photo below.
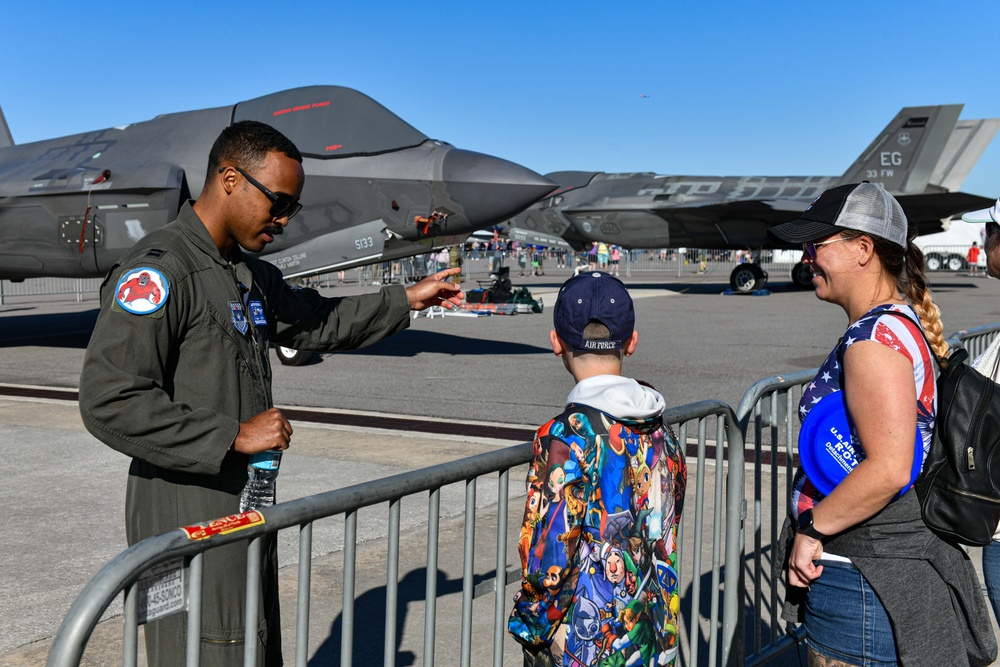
point(289, 357)
point(746, 278)
point(802, 276)
point(955, 262)
point(933, 262)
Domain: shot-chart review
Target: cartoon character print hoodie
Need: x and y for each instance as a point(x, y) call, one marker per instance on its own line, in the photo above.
point(598, 542)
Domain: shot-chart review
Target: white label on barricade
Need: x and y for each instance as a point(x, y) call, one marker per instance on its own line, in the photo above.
point(161, 590)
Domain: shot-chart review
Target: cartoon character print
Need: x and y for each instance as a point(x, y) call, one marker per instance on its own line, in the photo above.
point(139, 287)
point(535, 510)
point(551, 546)
point(141, 291)
point(599, 577)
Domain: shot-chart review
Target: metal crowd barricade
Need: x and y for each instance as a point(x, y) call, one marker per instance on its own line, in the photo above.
point(975, 340)
point(767, 417)
point(708, 428)
point(703, 262)
point(720, 576)
point(79, 288)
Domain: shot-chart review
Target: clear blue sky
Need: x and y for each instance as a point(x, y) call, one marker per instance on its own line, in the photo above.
point(734, 88)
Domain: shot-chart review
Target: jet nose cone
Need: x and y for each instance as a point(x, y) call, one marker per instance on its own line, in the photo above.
point(491, 190)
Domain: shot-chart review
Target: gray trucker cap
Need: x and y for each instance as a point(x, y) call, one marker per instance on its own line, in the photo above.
point(864, 207)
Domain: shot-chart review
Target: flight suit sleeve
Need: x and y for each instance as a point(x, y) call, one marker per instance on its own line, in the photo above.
point(127, 373)
point(303, 319)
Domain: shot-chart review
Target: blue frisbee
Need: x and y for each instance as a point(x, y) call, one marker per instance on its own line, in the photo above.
point(826, 449)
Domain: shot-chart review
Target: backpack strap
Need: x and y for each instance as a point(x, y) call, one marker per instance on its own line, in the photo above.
point(942, 362)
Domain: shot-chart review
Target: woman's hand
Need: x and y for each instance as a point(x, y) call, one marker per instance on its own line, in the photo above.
point(801, 569)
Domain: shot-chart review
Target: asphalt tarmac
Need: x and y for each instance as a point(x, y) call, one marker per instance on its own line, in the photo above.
point(64, 517)
point(694, 344)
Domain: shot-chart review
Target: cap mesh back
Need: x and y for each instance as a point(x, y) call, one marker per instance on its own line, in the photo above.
point(872, 210)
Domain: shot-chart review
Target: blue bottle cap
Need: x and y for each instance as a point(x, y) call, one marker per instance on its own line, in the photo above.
point(826, 449)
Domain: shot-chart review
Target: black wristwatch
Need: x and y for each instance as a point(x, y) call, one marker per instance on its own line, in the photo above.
point(806, 526)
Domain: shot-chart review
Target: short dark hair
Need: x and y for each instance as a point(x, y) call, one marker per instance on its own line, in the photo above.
point(246, 144)
point(596, 330)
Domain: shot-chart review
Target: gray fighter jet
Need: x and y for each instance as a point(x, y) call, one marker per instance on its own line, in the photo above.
point(922, 157)
point(376, 188)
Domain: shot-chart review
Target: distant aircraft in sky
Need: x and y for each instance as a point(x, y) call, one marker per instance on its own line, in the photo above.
point(643, 96)
point(376, 188)
point(922, 156)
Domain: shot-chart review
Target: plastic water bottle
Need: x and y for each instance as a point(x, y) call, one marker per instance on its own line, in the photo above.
point(261, 475)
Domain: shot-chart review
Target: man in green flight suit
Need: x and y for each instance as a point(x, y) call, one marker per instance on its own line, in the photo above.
point(177, 373)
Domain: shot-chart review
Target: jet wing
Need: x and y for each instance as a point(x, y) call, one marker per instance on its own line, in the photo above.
point(736, 224)
point(929, 209)
point(742, 223)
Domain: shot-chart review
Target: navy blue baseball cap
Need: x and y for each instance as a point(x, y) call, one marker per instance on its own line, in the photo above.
point(594, 295)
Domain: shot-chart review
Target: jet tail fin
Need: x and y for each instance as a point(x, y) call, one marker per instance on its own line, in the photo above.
point(905, 154)
point(5, 138)
point(965, 146)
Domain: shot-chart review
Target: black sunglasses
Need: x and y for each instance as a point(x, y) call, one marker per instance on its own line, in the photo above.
point(811, 247)
point(282, 206)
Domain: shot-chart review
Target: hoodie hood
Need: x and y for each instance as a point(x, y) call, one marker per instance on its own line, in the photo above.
point(620, 397)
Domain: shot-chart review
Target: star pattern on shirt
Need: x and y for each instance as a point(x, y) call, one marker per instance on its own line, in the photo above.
point(826, 377)
point(849, 342)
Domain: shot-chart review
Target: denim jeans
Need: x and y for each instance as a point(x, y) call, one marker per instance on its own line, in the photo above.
point(845, 619)
point(991, 573)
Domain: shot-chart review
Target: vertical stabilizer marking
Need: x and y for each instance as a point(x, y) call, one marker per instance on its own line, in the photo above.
point(903, 156)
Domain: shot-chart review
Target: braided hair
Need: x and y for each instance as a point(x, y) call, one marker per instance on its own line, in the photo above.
point(906, 268)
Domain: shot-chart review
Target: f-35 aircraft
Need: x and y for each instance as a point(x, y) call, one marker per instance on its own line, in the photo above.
point(376, 188)
point(922, 157)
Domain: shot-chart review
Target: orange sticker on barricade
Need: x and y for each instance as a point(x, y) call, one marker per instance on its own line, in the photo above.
point(228, 524)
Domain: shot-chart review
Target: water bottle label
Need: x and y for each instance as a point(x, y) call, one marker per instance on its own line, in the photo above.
point(269, 460)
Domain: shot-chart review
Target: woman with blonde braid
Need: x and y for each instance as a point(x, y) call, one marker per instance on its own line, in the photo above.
point(882, 588)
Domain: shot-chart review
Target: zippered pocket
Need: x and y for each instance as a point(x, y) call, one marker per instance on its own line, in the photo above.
point(970, 494)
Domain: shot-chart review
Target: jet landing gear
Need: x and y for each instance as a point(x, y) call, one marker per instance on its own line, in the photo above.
point(746, 278)
point(291, 357)
point(802, 276)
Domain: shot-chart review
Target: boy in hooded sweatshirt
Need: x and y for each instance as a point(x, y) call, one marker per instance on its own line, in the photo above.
point(605, 490)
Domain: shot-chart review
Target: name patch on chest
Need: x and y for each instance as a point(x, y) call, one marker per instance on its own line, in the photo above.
point(238, 316)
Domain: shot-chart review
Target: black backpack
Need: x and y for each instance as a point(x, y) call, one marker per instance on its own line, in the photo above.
point(957, 489)
point(959, 499)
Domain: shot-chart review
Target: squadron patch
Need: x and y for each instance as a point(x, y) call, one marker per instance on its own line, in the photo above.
point(142, 291)
point(238, 316)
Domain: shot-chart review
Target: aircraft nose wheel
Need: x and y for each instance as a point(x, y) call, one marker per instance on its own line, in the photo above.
point(746, 278)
